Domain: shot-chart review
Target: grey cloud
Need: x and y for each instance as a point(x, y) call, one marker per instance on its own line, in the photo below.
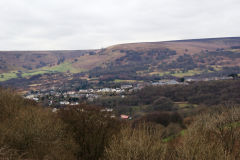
point(79, 24)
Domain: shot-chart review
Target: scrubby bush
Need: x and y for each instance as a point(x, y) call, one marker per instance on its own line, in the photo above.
point(9, 154)
point(163, 104)
point(143, 142)
point(163, 118)
point(10, 103)
point(91, 129)
point(212, 136)
point(29, 131)
point(32, 131)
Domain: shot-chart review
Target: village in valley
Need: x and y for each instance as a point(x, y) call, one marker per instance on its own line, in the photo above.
point(58, 97)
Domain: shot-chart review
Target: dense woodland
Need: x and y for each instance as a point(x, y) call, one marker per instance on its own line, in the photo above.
point(31, 131)
point(167, 98)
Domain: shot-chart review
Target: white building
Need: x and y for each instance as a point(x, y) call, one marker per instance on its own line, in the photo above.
point(64, 103)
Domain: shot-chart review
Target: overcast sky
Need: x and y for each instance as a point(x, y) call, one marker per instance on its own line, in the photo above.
point(89, 24)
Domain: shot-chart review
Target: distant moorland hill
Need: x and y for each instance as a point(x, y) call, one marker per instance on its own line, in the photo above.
point(183, 58)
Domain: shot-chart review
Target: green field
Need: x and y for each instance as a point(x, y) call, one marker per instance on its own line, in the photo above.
point(124, 81)
point(183, 105)
point(188, 73)
point(178, 73)
point(217, 68)
point(7, 76)
point(64, 67)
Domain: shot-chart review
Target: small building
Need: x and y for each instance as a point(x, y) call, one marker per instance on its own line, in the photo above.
point(35, 99)
point(54, 110)
point(165, 82)
point(126, 86)
point(83, 91)
point(64, 103)
point(31, 96)
point(75, 96)
point(123, 116)
point(71, 92)
point(74, 103)
point(107, 110)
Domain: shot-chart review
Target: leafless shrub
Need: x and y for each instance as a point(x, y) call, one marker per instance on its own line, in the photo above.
point(143, 142)
point(212, 136)
point(32, 131)
point(9, 154)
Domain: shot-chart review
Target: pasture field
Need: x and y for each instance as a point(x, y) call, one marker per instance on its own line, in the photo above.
point(63, 67)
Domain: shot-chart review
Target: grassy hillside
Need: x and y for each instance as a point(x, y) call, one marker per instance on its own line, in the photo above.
point(175, 58)
point(63, 67)
point(31, 60)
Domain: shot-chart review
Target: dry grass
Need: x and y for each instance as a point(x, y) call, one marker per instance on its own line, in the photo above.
point(143, 142)
point(88, 62)
point(31, 131)
point(211, 136)
point(180, 46)
point(28, 131)
point(9, 154)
